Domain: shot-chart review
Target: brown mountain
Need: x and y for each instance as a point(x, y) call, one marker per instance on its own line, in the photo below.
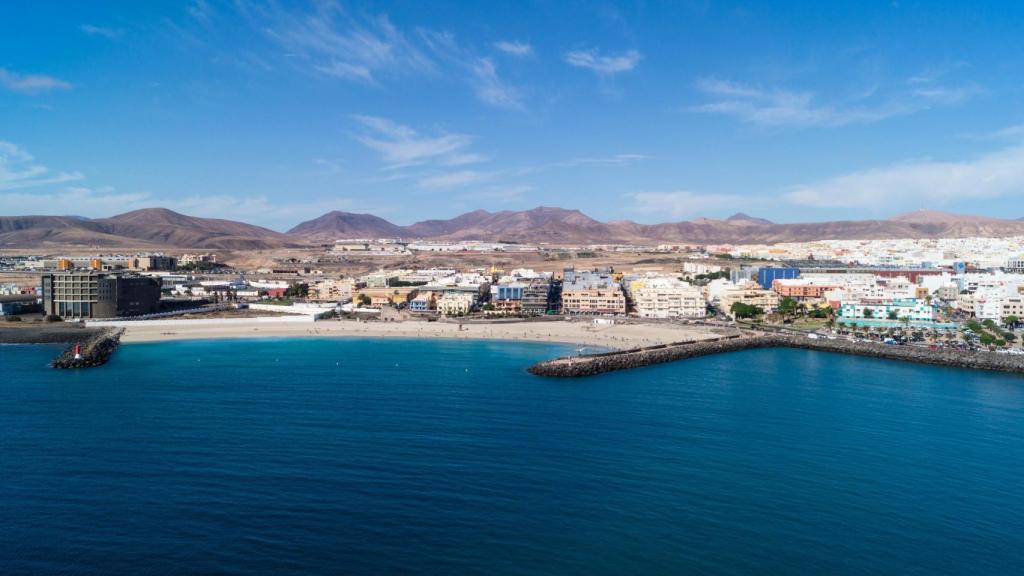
point(161, 228)
point(541, 224)
point(334, 225)
point(742, 219)
point(938, 217)
point(168, 228)
point(22, 231)
point(147, 228)
point(558, 225)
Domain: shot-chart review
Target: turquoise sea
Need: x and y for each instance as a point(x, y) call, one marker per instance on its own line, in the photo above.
point(446, 457)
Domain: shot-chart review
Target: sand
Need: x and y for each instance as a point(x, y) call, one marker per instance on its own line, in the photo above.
point(583, 333)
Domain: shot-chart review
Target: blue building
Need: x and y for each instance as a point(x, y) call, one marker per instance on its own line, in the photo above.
point(765, 276)
point(419, 304)
point(507, 291)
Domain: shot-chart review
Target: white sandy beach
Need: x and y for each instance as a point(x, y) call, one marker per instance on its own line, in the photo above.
point(617, 336)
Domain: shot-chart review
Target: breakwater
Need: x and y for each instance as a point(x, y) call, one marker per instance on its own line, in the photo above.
point(92, 351)
point(578, 366)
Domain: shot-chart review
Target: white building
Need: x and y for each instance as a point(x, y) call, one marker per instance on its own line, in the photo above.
point(455, 303)
point(670, 302)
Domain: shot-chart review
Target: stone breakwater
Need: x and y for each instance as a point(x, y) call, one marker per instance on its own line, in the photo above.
point(95, 350)
point(569, 367)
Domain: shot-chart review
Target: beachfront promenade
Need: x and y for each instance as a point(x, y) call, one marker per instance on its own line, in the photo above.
point(619, 336)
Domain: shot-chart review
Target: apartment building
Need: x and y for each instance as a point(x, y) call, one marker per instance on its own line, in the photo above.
point(801, 289)
point(750, 294)
point(669, 302)
point(456, 303)
point(900, 309)
point(592, 293)
point(333, 290)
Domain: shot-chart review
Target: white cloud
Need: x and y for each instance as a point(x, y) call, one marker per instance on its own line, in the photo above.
point(514, 48)
point(603, 65)
point(402, 146)
point(456, 179)
point(499, 194)
point(683, 203)
point(491, 89)
point(105, 32)
point(30, 83)
point(18, 169)
point(200, 11)
point(481, 73)
point(463, 159)
point(778, 107)
point(72, 201)
point(912, 184)
point(337, 44)
point(613, 160)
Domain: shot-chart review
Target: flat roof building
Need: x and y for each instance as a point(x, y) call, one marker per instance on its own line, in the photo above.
point(90, 294)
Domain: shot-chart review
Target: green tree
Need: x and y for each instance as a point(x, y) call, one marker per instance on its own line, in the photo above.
point(892, 315)
point(869, 313)
point(1010, 320)
point(741, 310)
point(788, 307)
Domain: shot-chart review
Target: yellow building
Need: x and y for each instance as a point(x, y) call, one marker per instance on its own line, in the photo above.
point(751, 294)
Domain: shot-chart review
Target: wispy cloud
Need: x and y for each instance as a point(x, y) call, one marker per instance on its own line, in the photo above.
point(200, 11)
point(446, 180)
point(338, 44)
point(603, 65)
point(684, 203)
point(30, 83)
point(912, 184)
point(514, 48)
point(102, 31)
point(481, 72)
point(491, 89)
point(402, 146)
point(78, 200)
point(613, 160)
point(18, 169)
point(781, 107)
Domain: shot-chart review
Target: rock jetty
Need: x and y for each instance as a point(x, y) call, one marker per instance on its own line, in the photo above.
point(95, 350)
point(570, 367)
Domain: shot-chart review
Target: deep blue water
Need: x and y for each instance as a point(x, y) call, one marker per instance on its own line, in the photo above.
point(373, 457)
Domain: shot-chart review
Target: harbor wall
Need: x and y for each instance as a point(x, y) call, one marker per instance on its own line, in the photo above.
point(95, 350)
point(571, 367)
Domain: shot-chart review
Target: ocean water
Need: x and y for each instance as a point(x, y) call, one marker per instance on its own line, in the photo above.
point(445, 457)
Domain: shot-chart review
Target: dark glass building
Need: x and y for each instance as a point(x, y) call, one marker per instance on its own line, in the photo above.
point(89, 294)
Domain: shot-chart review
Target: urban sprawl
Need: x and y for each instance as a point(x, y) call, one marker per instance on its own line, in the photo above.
point(962, 292)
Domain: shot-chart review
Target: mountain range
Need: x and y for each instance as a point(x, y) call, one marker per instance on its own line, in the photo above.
point(153, 228)
point(147, 228)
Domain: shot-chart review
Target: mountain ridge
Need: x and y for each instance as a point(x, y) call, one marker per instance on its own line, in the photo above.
point(145, 228)
point(152, 228)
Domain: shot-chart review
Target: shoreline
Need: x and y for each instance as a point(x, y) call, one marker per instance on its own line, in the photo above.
point(578, 333)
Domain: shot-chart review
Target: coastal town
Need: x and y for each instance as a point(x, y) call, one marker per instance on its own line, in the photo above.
point(966, 294)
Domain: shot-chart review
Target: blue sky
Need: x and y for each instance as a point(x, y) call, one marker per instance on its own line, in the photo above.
point(275, 112)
